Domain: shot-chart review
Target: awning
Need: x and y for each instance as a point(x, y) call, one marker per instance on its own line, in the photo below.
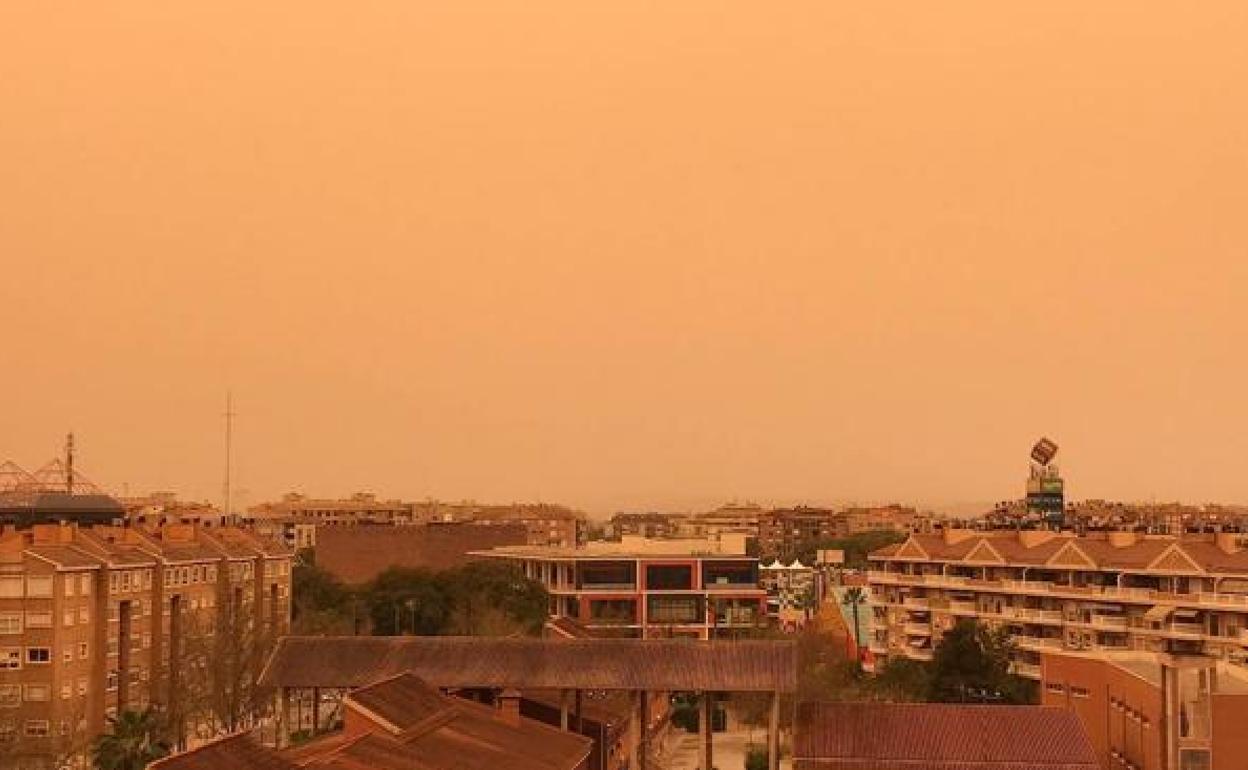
point(1159, 613)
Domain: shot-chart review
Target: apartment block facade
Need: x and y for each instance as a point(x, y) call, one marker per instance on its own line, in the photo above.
point(94, 621)
point(1056, 591)
point(614, 590)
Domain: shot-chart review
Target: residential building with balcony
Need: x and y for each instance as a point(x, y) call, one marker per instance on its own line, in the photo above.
point(648, 588)
point(792, 593)
point(94, 621)
point(1057, 591)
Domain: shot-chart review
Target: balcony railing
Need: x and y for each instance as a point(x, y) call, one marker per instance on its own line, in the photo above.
point(1045, 588)
point(918, 629)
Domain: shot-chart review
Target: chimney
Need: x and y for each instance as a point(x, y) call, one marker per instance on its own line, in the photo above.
point(508, 704)
point(1227, 542)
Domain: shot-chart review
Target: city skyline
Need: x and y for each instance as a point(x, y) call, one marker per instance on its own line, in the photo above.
point(628, 257)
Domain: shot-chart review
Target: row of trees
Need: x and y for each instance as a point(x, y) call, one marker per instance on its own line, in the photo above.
point(478, 599)
point(970, 664)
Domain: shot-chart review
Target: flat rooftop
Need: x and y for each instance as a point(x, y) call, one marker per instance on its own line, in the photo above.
point(591, 551)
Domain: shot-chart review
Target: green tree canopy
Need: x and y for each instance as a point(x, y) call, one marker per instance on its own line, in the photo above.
point(971, 664)
point(135, 739)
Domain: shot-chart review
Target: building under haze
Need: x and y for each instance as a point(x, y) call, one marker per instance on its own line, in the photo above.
point(641, 588)
point(1058, 591)
point(97, 620)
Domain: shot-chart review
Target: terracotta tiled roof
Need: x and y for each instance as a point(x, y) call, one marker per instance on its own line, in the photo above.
point(64, 556)
point(598, 664)
point(421, 728)
point(1138, 555)
point(902, 736)
point(236, 752)
point(402, 700)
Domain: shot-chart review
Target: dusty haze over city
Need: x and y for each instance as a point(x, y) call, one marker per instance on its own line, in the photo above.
point(628, 255)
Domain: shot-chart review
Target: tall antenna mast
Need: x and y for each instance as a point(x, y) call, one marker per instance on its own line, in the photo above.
point(69, 463)
point(229, 447)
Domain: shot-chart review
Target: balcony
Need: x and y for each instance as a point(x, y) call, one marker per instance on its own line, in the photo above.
point(916, 602)
point(1037, 615)
point(1038, 644)
point(919, 653)
point(1029, 670)
point(1117, 622)
point(918, 629)
point(1186, 630)
point(962, 607)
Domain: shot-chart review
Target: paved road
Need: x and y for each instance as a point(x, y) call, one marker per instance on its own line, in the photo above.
point(681, 750)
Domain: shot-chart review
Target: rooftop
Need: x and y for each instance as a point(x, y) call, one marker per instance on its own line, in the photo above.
point(598, 664)
point(937, 736)
point(1222, 554)
point(240, 751)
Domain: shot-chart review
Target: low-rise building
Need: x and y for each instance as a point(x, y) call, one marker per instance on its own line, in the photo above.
point(702, 589)
point(939, 736)
point(1145, 710)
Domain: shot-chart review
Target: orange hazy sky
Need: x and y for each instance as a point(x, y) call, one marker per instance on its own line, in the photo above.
point(628, 254)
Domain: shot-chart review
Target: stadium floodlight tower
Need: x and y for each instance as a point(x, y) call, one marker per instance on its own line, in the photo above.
point(1046, 496)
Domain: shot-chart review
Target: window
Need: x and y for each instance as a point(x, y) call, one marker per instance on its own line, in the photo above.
point(10, 658)
point(84, 615)
point(38, 619)
point(67, 691)
point(1054, 688)
point(1079, 692)
point(37, 728)
point(82, 685)
point(68, 617)
point(111, 683)
point(38, 655)
point(10, 622)
point(11, 586)
point(82, 650)
point(70, 582)
point(38, 692)
point(84, 584)
point(68, 655)
point(10, 695)
point(39, 586)
point(125, 581)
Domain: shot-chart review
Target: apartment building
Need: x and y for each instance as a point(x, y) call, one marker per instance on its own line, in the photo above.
point(792, 593)
point(647, 588)
point(546, 524)
point(94, 621)
point(649, 524)
point(1057, 591)
point(1155, 711)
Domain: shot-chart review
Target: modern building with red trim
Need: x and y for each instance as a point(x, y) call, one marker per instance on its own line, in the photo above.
point(643, 588)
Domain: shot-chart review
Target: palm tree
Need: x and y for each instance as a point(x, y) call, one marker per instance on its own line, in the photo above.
point(135, 739)
point(855, 596)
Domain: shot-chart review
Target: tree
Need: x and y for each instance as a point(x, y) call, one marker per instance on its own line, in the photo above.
point(135, 739)
point(403, 599)
point(856, 547)
point(971, 664)
point(322, 603)
point(491, 598)
point(756, 758)
point(854, 597)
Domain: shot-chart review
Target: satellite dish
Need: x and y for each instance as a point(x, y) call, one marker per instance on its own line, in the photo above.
point(1044, 451)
